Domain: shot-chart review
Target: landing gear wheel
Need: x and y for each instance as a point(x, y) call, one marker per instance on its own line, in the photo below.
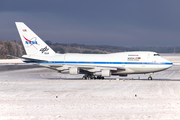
point(84, 77)
point(150, 76)
point(92, 77)
point(100, 77)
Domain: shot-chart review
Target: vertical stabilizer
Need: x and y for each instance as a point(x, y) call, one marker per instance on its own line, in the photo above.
point(31, 42)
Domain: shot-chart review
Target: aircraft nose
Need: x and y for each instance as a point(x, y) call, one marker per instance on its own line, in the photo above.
point(169, 64)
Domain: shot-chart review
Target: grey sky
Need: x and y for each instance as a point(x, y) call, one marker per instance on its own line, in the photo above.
point(102, 22)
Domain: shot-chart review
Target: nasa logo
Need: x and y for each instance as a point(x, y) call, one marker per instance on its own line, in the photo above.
point(31, 42)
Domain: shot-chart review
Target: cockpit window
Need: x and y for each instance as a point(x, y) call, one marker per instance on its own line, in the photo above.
point(156, 55)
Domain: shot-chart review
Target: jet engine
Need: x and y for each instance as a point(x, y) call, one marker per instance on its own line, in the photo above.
point(104, 73)
point(73, 71)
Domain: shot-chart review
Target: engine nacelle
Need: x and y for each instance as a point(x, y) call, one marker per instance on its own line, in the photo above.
point(64, 72)
point(74, 71)
point(106, 73)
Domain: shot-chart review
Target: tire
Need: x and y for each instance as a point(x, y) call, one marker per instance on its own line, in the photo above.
point(149, 78)
point(84, 78)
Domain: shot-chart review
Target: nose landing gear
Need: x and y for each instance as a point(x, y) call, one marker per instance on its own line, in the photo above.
point(150, 76)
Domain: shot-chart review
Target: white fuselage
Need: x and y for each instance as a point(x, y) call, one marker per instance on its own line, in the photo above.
point(133, 62)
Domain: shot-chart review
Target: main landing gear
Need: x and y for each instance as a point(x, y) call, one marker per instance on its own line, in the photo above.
point(92, 77)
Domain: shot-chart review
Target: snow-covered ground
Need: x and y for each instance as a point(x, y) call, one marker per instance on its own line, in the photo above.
point(40, 93)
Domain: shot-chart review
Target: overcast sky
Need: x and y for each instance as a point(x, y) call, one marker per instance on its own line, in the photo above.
point(91, 22)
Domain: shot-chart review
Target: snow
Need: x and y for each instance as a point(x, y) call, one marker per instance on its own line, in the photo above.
point(40, 93)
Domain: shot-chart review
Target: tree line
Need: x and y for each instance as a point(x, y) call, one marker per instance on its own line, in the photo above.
point(16, 48)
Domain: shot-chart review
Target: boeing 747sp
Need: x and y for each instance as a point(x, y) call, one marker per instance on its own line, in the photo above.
point(93, 66)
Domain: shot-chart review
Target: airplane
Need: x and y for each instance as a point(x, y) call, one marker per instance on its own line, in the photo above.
point(93, 66)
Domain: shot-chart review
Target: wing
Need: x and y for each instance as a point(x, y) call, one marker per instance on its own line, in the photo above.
point(83, 68)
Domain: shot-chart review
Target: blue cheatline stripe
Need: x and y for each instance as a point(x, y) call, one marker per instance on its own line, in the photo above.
point(76, 62)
